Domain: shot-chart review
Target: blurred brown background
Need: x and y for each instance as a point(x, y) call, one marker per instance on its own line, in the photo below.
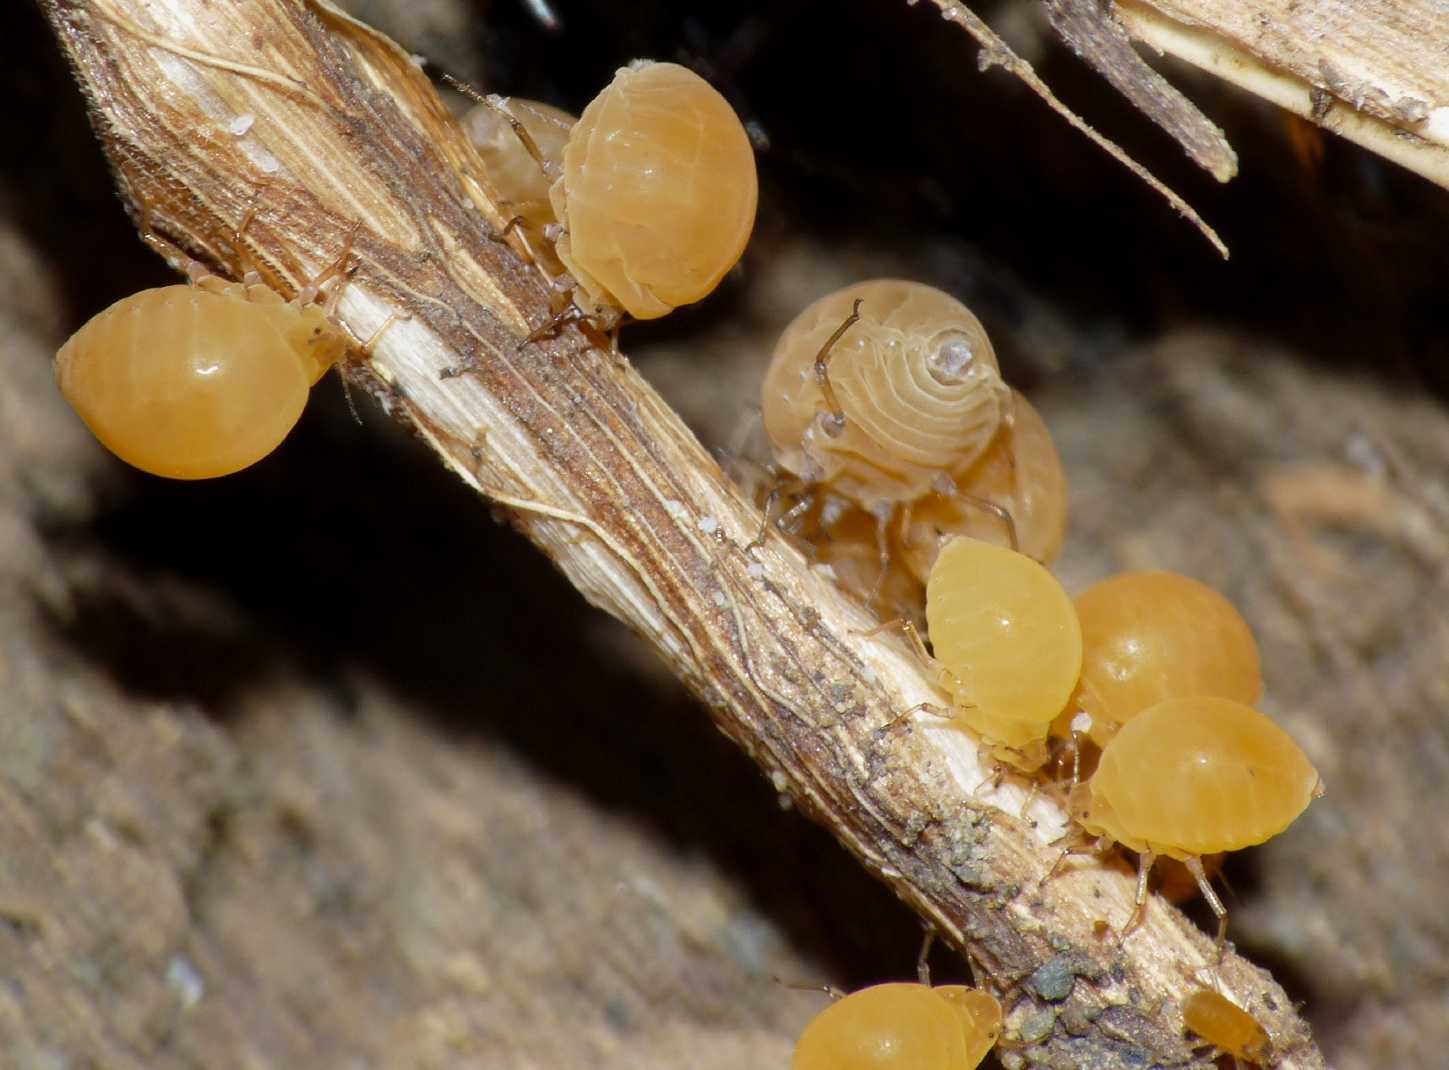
point(262, 806)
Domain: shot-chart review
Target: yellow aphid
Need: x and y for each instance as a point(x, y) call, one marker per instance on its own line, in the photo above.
point(192, 382)
point(1193, 776)
point(1226, 1026)
point(908, 396)
point(522, 180)
point(902, 1027)
point(1006, 636)
point(1151, 636)
point(658, 192)
point(1021, 473)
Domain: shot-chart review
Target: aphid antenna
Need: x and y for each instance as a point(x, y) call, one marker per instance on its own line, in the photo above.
point(833, 423)
point(500, 105)
point(806, 986)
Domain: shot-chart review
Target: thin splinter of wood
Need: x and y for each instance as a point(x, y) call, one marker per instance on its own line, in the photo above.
point(1092, 33)
point(996, 52)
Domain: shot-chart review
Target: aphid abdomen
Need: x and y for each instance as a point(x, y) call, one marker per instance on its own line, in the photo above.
point(658, 192)
point(1151, 636)
point(1006, 634)
point(1227, 1026)
point(1021, 472)
point(917, 382)
point(981, 1019)
point(885, 1027)
point(1194, 776)
point(188, 383)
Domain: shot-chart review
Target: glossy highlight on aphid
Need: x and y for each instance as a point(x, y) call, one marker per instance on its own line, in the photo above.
point(1006, 636)
point(919, 392)
point(902, 1026)
point(658, 192)
point(192, 382)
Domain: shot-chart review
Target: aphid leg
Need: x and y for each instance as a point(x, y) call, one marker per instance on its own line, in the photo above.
point(1139, 910)
point(339, 267)
point(923, 967)
point(1194, 866)
point(500, 105)
point(918, 645)
point(999, 511)
point(939, 712)
point(555, 323)
point(508, 228)
point(834, 422)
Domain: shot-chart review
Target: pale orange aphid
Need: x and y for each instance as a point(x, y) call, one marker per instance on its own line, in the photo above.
point(658, 192)
point(1194, 776)
point(1006, 638)
point(522, 178)
point(908, 395)
point(192, 382)
point(1021, 473)
point(1152, 636)
point(850, 542)
point(1226, 1026)
point(902, 1026)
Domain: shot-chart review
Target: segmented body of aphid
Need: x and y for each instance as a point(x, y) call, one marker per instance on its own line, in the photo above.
point(192, 382)
point(1227, 1026)
point(1006, 636)
point(658, 191)
point(1019, 473)
point(919, 392)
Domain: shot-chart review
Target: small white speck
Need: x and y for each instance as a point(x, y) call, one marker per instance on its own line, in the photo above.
point(181, 975)
point(755, 570)
point(786, 803)
point(777, 779)
point(720, 599)
point(267, 163)
point(675, 508)
point(708, 524)
point(241, 124)
point(868, 674)
point(1082, 722)
point(419, 61)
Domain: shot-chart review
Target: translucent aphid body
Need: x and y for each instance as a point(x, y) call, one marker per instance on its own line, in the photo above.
point(1192, 776)
point(919, 391)
point(1152, 636)
point(1226, 1026)
point(658, 191)
point(901, 1027)
point(1021, 472)
point(520, 179)
point(1006, 636)
point(192, 382)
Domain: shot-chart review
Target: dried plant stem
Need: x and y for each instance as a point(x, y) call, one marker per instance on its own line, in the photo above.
point(607, 481)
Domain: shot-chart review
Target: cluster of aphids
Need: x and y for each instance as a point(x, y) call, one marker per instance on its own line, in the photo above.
point(910, 459)
point(641, 205)
point(911, 462)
